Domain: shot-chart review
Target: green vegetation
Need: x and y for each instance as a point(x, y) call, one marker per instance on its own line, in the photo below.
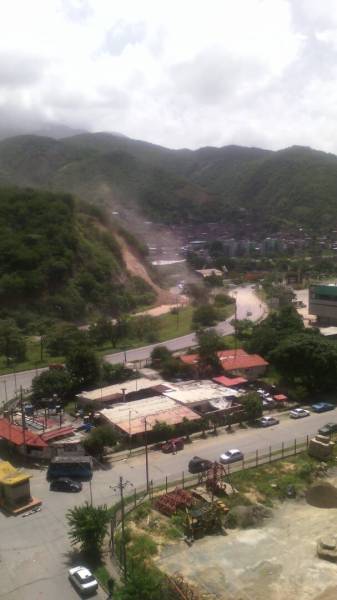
point(252, 406)
point(284, 189)
point(270, 481)
point(88, 526)
point(98, 439)
point(55, 264)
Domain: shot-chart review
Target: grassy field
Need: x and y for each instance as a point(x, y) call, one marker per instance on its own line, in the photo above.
point(170, 326)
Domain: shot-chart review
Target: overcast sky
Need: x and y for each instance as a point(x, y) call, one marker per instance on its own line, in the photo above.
point(181, 73)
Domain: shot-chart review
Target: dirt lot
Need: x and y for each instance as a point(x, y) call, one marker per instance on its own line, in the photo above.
point(277, 561)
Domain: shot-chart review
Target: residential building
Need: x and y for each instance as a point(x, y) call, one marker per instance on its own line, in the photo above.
point(323, 303)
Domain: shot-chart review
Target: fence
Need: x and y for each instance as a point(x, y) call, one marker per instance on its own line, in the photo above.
point(184, 479)
point(251, 460)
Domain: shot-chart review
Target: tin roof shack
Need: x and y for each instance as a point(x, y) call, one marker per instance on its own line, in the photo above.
point(15, 494)
point(203, 395)
point(122, 392)
point(134, 418)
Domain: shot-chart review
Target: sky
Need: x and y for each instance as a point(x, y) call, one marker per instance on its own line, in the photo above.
point(180, 73)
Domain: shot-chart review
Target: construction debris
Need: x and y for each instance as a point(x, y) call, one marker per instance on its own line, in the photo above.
point(168, 504)
point(322, 495)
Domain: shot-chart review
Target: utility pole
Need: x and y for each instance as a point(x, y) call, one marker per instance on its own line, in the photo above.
point(120, 487)
point(23, 420)
point(146, 455)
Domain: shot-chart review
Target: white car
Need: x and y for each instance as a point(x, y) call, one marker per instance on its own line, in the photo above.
point(231, 456)
point(83, 580)
point(298, 413)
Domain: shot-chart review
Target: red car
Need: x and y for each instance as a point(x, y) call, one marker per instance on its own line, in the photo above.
point(173, 445)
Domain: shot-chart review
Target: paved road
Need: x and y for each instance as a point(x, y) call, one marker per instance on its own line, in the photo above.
point(34, 551)
point(246, 301)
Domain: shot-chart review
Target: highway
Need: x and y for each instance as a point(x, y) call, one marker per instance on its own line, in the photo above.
point(246, 301)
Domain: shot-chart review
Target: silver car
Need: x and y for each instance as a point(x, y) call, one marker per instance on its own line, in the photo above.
point(231, 456)
point(83, 580)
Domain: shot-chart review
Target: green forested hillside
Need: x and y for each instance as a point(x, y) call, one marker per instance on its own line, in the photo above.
point(56, 261)
point(295, 186)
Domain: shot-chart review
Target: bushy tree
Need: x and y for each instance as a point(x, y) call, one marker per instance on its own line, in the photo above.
point(116, 373)
point(48, 383)
point(209, 344)
point(308, 359)
point(159, 355)
point(12, 342)
point(63, 338)
point(98, 439)
point(276, 327)
point(88, 526)
point(84, 367)
point(204, 316)
point(252, 405)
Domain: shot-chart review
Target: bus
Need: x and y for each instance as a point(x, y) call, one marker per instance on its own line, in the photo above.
point(70, 466)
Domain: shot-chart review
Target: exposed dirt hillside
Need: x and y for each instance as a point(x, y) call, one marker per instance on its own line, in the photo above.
point(137, 268)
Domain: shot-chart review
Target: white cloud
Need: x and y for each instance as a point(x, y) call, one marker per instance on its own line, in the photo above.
point(255, 72)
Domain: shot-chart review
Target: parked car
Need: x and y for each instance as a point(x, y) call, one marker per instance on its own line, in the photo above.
point(173, 445)
point(322, 407)
point(267, 421)
point(328, 429)
point(65, 484)
point(83, 580)
point(231, 456)
point(199, 465)
point(298, 413)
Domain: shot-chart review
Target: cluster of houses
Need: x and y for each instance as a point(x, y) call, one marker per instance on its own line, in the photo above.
point(131, 408)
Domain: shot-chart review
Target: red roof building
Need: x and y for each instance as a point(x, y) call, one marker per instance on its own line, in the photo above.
point(230, 381)
point(15, 435)
point(234, 362)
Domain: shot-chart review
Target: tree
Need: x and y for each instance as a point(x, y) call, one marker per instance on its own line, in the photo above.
point(84, 367)
point(88, 526)
point(12, 342)
point(145, 328)
point(252, 405)
point(144, 582)
point(204, 316)
point(98, 439)
point(161, 431)
point(48, 383)
point(210, 343)
point(159, 355)
point(101, 332)
point(63, 338)
point(276, 327)
point(307, 359)
point(115, 373)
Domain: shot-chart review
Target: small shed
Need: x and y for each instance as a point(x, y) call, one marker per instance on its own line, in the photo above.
point(15, 489)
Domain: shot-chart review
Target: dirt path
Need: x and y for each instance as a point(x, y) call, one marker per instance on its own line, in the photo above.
point(135, 267)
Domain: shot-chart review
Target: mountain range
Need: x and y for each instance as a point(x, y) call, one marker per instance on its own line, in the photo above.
point(275, 190)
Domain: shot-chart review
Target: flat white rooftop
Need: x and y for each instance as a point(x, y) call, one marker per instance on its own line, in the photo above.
point(110, 391)
point(197, 392)
point(131, 416)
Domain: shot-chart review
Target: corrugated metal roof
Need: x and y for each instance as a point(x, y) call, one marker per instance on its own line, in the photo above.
point(15, 435)
point(56, 433)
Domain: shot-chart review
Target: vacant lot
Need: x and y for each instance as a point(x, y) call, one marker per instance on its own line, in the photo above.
point(277, 561)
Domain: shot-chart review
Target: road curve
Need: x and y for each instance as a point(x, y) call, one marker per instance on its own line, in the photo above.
point(246, 302)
